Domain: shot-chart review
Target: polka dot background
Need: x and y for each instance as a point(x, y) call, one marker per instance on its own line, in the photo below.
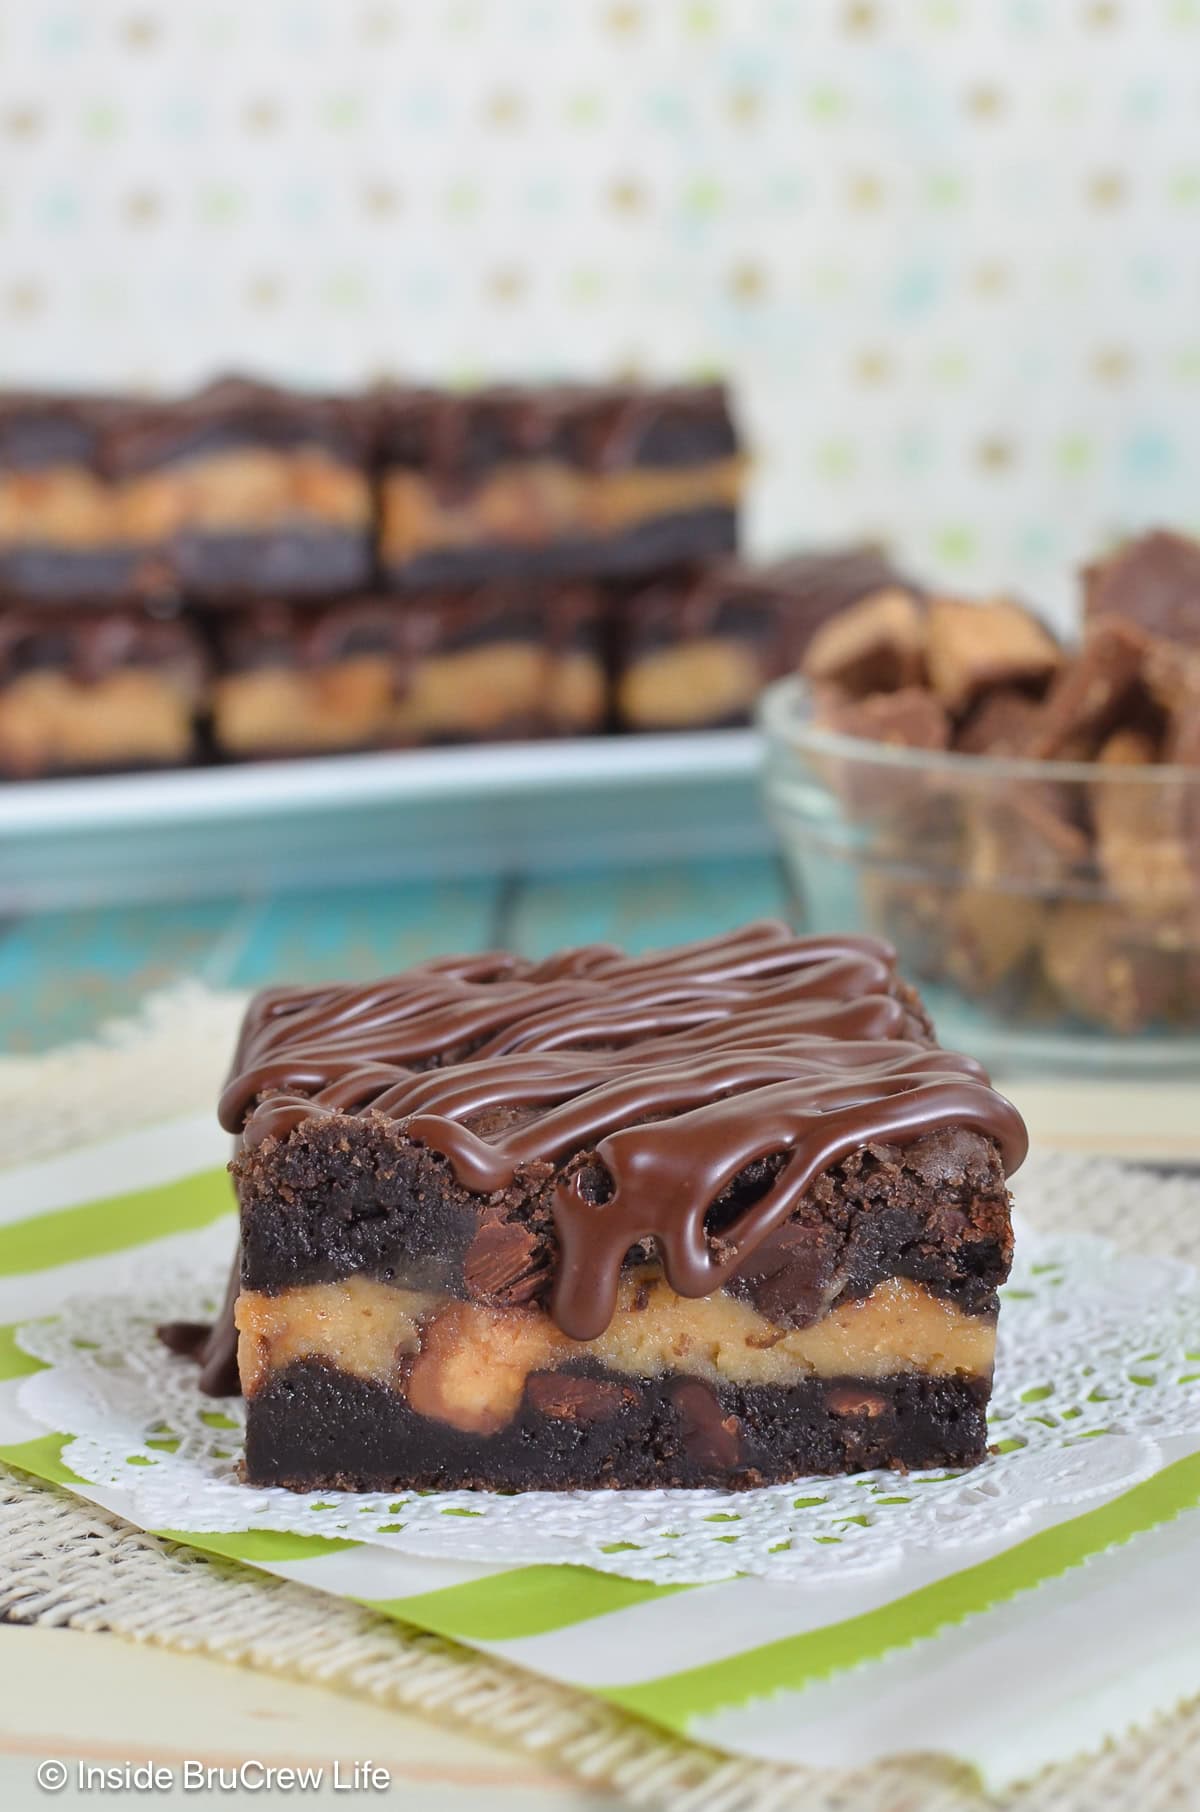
point(949, 250)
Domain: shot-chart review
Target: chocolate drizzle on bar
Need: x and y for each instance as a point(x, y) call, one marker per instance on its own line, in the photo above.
point(671, 1138)
point(654, 1083)
point(307, 1051)
point(231, 411)
point(92, 642)
point(212, 1345)
point(277, 633)
point(598, 427)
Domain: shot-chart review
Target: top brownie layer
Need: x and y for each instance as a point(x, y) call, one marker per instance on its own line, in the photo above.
point(37, 431)
point(598, 427)
point(232, 412)
point(89, 643)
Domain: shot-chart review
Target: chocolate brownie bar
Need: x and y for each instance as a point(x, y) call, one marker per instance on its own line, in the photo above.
point(695, 648)
point(67, 532)
point(244, 489)
point(553, 481)
point(717, 1215)
point(369, 672)
point(96, 688)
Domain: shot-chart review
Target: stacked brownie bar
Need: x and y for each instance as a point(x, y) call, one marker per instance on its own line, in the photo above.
point(124, 524)
point(59, 522)
point(399, 567)
point(245, 490)
point(722, 1214)
point(563, 481)
point(499, 517)
point(257, 571)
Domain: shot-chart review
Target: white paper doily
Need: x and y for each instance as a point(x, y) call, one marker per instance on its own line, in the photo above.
point(1099, 1359)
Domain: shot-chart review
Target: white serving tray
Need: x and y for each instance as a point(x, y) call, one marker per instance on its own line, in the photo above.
point(496, 808)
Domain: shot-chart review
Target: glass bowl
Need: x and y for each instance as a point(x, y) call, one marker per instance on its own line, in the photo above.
point(1049, 910)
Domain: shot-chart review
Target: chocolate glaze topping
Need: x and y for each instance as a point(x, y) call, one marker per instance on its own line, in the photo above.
point(273, 632)
point(91, 642)
point(231, 411)
point(338, 1049)
point(652, 1084)
point(599, 427)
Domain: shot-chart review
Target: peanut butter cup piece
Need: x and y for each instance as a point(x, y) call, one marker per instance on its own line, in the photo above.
point(974, 647)
point(1025, 834)
point(989, 935)
point(1172, 676)
point(1141, 837)
point(1152, 582)
point(911, 718)
point(1106, 969)
point(1000, 725)
point(1183, 740)
point(1101, 688)
point(906, 797)
point(875, 645)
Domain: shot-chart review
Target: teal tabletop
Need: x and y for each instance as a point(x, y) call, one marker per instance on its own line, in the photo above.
point(64, 974)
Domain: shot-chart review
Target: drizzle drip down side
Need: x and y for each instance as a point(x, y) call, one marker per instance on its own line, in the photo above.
point(660, 1144)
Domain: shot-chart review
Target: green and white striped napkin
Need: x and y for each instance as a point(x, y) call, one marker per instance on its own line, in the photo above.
point(1073, 1634)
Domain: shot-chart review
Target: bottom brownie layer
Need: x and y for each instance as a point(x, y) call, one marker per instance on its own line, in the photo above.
point(280, 561)
point(667, 540)
point(313, 1427)
point(64, 575)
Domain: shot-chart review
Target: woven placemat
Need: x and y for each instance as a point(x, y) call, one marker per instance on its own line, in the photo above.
point(66, 1563)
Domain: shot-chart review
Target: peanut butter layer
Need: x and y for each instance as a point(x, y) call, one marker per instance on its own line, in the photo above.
point(243, 491)
point(544, 500)
point(480, 690)
point(704, 682)
point(363, 1327)
point(64, 506)
point(344, 705)
point(468, 1364)
point(49, 720)
point(246, 490)
point(355, 702)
